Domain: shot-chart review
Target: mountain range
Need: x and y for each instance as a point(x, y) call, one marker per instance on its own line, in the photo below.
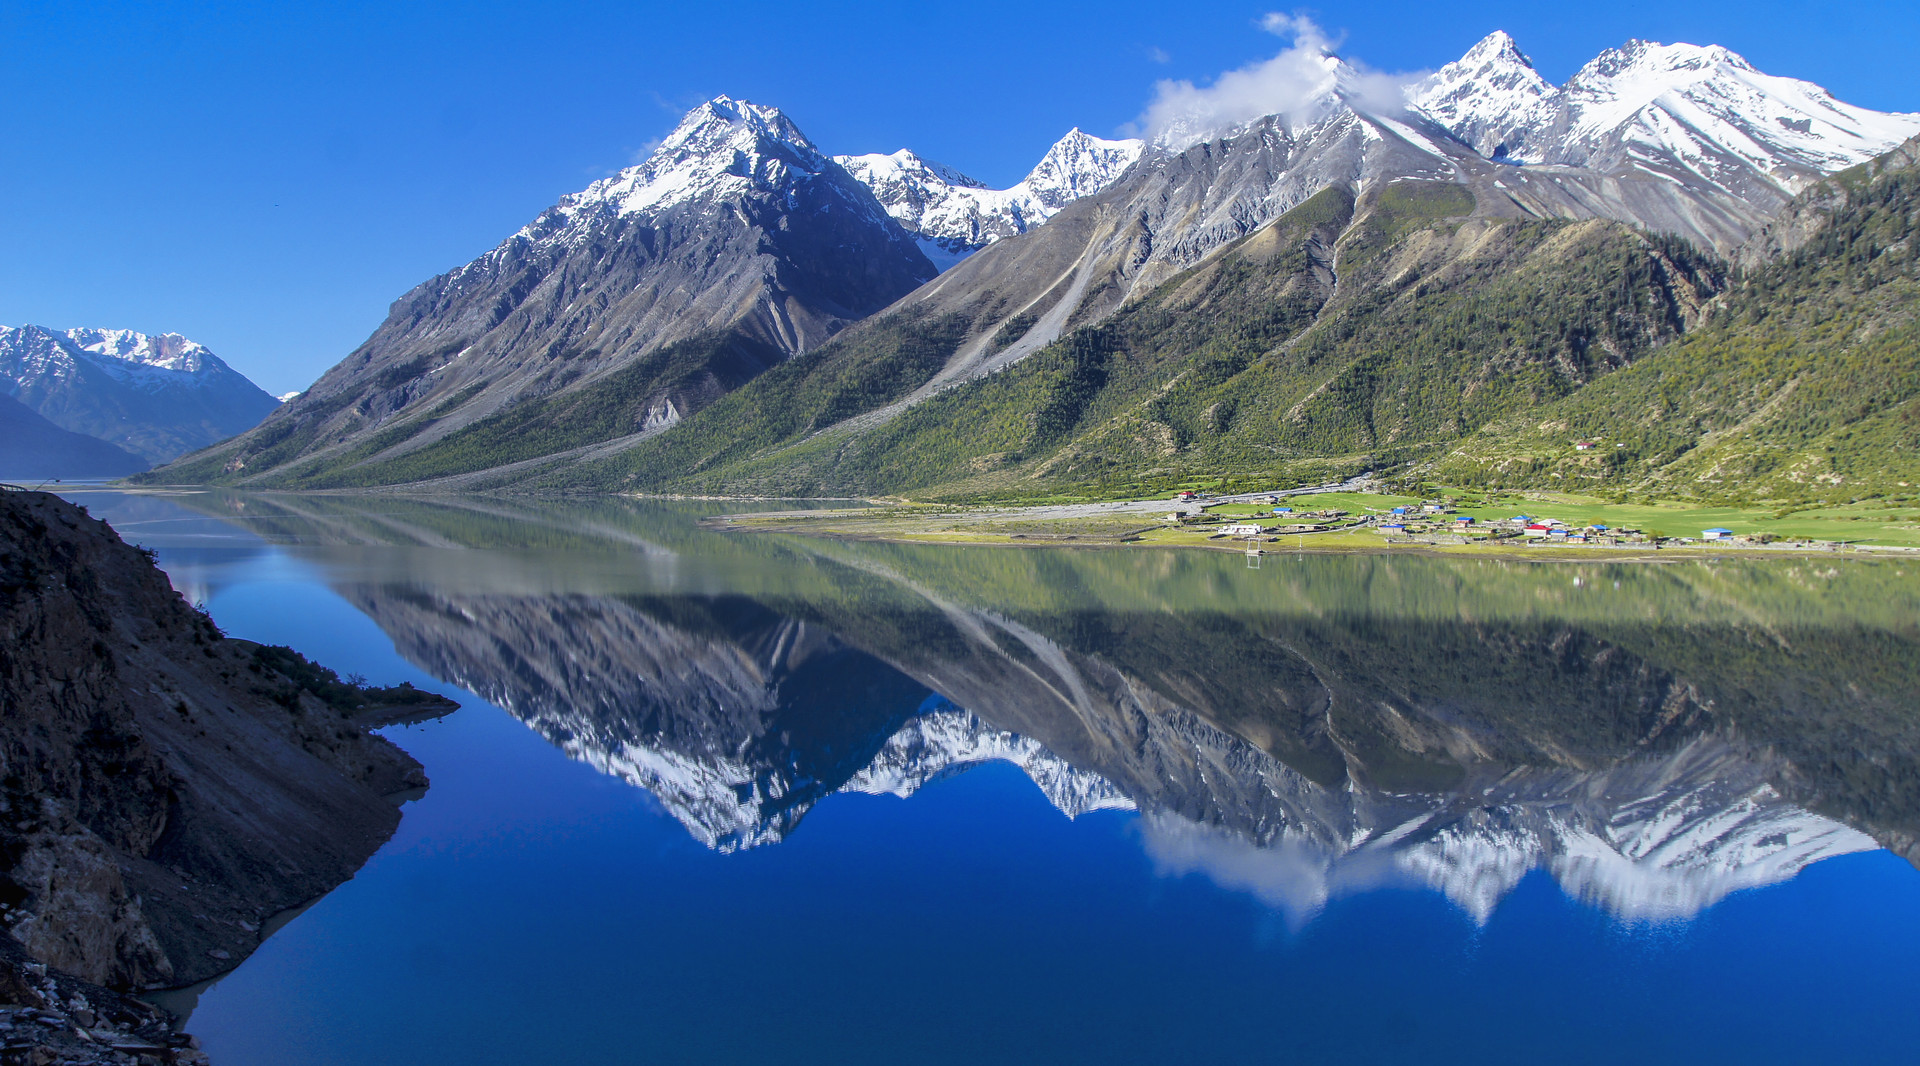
point(141, 399)
point(1345, 285)
point(952, 215)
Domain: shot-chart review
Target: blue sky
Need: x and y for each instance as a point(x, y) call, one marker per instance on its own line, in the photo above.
point(268, 178)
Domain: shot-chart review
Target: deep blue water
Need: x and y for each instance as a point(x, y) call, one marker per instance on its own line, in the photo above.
point(534, 909)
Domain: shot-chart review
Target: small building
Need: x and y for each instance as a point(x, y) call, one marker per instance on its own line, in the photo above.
point(1463, 521)
point(1392, 528)
point(1243, 529)
point(1435, 508)
point(1184, 495)
point(1716, 533)
point(1399, 510)
point(1537, 529)
point(1283, 510)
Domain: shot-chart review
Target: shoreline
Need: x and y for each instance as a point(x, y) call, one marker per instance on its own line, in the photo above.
point(824, 525)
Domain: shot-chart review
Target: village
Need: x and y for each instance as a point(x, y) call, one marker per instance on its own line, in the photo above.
point(1361, 514)
point(1436, 522)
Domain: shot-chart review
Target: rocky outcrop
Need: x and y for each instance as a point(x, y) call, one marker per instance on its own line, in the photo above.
point(1813, 209)
point(50, 1017)
point(164, 789)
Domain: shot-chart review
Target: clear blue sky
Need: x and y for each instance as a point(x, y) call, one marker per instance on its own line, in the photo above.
point(268, 178)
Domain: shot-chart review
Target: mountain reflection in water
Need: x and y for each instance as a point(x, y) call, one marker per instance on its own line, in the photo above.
point(1655, 737)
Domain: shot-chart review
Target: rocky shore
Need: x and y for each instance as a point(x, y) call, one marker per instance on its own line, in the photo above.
point(164, 789)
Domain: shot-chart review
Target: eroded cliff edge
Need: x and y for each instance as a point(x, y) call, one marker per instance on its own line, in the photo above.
point(165, 789)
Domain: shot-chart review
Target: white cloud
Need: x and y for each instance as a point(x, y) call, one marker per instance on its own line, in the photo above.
point(1159, 55)
point(1300, 84)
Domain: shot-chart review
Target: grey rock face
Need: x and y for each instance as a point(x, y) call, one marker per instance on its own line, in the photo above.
point(1812, 210)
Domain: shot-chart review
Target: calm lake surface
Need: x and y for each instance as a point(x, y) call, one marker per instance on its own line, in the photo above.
point(720, 798)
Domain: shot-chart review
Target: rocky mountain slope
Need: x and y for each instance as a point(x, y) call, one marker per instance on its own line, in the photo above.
point(1346, 335)
point(32, 448)
point(1802, 385)
point(735, 245)
point(166, 789)
point(954, 216)
point(158, 397)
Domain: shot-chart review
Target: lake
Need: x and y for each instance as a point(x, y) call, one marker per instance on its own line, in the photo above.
point(718, 797)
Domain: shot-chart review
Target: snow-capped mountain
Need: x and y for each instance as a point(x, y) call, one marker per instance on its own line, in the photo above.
point(1683, 111)
point(954, 215)
point(1487, 93)
point(157, 396)
point(736, 235)
point(722, 150)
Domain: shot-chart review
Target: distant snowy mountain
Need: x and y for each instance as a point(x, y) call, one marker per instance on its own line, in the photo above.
point(156, 396)
point(954, 215)
point(1680, 111)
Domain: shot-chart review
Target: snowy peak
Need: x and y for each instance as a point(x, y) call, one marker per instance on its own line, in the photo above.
point(953, 215)
point(724, 147)
point(1692, 100)
point(1486, 92)
point(1079, 165)
point(903, 168)
point(1687, 113)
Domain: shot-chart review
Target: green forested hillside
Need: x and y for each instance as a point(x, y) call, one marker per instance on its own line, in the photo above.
point(1341, 337)
point(1803, 385)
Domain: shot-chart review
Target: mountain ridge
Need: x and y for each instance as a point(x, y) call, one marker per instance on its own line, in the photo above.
point(955, 215)
point(1620, 143)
